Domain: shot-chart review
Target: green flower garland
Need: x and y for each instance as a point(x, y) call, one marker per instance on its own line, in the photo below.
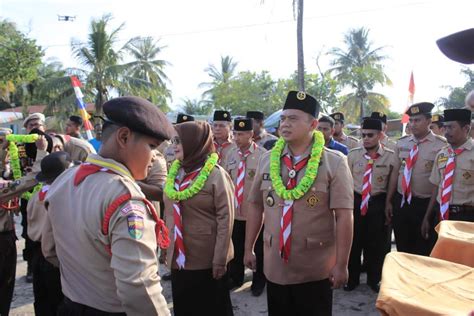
point(15, 158)
point(311, 170)
point(197, 185)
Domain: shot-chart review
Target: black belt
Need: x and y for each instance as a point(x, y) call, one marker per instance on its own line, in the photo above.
point(377, 197)
point(461, 208)
point(8, 232)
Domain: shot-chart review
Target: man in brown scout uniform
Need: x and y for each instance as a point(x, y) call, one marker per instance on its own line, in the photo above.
point(436, 125)
point(77, 148)
point(409, 196)
point(453, 173)
point(371, 166)
point(385, 141)
point(339, 135)
point(221, 126)
point(105, 232)
point(241, 164)
point(310, 253)
point(260, 134)
point(46, 277)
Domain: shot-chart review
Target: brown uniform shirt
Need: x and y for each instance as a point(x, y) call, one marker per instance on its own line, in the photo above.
point(263, 138)
point(380, 170)
point(313, 232)
point(427, 151)
point(208, 219)
point(223, 151)
point(78, 149)
point(126, 280)
point(231, 165)
point(462, 192)
point(349, 141)
point(157, 175)
point(36, 217)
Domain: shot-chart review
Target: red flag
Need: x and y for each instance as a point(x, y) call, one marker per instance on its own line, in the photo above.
point(411, 95)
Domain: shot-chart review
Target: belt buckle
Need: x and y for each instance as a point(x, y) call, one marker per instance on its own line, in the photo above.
point(455, 209)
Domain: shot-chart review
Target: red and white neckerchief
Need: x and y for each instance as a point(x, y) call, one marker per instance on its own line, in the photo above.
point(447, 184)
point(240, 182)
point(43, 192)
point(287, 213)
point(367, 182)
point(177, 216)
point(86, 169)
point(407, 171)
point(221, 147)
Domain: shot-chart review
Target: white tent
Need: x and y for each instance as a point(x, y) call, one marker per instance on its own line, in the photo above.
point(8, 117)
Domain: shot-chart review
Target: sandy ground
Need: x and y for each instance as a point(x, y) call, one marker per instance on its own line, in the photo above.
point(361, 301)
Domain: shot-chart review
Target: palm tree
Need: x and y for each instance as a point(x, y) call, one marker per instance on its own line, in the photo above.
point(195, 107)
point(221, 75)
point(359, 66)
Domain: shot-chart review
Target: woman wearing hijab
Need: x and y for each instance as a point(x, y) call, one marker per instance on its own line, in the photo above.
point(199, 210)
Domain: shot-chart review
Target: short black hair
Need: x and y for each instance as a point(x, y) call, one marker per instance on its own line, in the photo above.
point(328, 119)
point(76, 119)
point(439, 124)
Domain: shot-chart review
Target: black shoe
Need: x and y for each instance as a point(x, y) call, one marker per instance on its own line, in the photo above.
point(350, 287)
point(374, 287)
point(166, 276)
point(257, 290)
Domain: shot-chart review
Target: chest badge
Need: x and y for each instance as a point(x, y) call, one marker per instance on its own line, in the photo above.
point(270, 200)
point(466, 175)
point(251, 173)
point(380, 179)
point(429, 165)
point(312, 200)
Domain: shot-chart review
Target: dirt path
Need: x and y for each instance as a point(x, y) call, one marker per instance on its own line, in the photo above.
point(358, 302)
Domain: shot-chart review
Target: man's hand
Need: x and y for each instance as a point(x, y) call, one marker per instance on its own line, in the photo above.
point(388, 213)
point(250, 261)
point(41, 143)
point(218, 271)
point(338, 276)
point(425, 228)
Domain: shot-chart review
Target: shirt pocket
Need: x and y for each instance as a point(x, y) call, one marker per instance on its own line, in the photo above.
point(465, 172)
point(317, 197)
point(359, 168)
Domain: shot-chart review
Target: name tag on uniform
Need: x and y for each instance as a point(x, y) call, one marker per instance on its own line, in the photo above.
point(442, 159)
point(266, 176)
point(380, 166)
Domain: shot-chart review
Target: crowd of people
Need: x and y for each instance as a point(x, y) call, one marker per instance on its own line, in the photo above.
point(305, 211)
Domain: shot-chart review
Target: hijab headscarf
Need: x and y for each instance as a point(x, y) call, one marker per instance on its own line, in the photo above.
point(197, 141)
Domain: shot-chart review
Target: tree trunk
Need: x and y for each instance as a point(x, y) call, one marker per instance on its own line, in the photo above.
point(362, 114)
point(299, 38)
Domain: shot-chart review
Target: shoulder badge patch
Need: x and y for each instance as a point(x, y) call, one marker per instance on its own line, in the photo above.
point(133, 206)
point(135, 226)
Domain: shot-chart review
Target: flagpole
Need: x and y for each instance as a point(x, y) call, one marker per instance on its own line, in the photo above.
point(411, 95)
point(76, 84)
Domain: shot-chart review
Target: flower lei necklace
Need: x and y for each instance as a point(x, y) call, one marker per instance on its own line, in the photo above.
point(197, 185)
point(15, 158)
point(311, 170)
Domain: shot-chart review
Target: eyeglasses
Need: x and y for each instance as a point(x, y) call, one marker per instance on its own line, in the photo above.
point(369, 135)
point(176, 141)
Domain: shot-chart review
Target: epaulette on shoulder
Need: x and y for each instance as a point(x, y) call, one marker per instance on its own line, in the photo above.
point(355, 149)
point(440, 138)
point(334, 152)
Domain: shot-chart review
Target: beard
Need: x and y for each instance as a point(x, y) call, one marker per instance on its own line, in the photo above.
point(372, 147)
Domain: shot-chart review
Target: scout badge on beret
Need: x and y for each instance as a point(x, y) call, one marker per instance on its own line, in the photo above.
point(243, 124)
point(299, 100)
point(181, 118)
point(220, 115)
point(420, 108)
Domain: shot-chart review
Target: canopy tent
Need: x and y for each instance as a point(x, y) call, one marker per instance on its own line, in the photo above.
point(8, 117)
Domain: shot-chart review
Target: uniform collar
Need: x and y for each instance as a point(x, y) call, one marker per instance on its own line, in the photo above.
point(380, 150)
point(110, 164)
point(286, 151)
point(467, 145)
point(430, 137)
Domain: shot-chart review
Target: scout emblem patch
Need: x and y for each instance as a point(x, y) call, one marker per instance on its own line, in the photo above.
point(312, 200)
point(133, 206)
point(466, 175)
point(135, 226)
point(251, 173)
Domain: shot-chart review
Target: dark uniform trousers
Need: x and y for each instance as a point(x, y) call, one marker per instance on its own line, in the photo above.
point(197, 293)
point(7, 270)
point(236, 265)
point(46, 283)
point(370, 236)
point(304, 299)
point(27, 251)
point(461, 213)
point(407, 226)
point(70, 308)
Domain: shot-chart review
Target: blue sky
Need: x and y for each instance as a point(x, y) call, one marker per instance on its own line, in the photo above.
point(262, 36)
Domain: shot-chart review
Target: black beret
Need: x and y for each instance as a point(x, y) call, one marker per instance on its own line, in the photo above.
point(437, 118)
point(461, 115)
point(76, 119)
point(30, 148)
point(372, 123)
point(243, 124)
point(458, 46)
point(139, 115)
point(257, 115)
point(220, 115)
point(53, 165)
point(337, 116)
point(379, 116)
point(299, 100)
point(420, 108)
point(184, 118)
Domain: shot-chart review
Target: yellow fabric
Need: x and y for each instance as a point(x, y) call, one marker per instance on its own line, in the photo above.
point(417, 285)
point(455, 242)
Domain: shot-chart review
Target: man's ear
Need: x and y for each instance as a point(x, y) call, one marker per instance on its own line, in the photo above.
point(123, 136)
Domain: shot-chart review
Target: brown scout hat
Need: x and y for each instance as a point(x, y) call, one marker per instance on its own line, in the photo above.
point(139, 115)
